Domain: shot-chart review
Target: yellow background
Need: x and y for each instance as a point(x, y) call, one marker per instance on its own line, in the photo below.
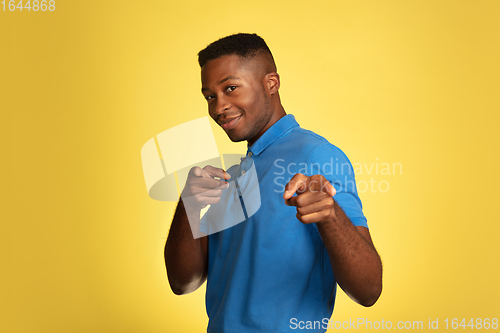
point(84, 87)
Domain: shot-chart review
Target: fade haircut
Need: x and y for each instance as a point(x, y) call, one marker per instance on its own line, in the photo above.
point(243, 45)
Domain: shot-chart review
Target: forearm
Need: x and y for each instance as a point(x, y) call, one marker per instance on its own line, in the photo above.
point(185, 256)
point(355, 262)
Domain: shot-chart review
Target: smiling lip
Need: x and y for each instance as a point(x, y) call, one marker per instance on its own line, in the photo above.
point(227, 125)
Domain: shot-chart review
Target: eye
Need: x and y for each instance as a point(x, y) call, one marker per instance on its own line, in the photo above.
point(209, 97)
point(230, 88)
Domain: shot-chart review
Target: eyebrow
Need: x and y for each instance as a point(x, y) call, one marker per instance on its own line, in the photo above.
point(230, 77)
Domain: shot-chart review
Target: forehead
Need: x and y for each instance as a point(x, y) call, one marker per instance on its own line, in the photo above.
point(230, 65)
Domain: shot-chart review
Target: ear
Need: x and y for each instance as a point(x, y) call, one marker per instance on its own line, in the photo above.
point(273, 82)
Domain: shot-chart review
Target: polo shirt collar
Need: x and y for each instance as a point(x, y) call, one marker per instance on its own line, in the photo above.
point(273, 133)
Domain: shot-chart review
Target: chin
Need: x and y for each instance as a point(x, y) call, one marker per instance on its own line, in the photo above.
point(236, 138)
point(237, 134)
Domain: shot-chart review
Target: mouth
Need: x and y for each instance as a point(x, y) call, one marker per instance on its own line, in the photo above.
point(228, 124)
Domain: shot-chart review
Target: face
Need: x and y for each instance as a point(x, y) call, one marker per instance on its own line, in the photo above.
point(237, 97)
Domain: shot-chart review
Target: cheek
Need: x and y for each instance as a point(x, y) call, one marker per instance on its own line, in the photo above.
point(251, 103)
point(211, 109)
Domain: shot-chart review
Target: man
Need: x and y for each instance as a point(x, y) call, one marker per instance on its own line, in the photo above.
point(277, 270)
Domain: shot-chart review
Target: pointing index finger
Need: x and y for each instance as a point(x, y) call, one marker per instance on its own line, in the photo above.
point(297, 183)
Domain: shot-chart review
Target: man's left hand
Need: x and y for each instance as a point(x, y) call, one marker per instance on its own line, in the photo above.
point(314, 200)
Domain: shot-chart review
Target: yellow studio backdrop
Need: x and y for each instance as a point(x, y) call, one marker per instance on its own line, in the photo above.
point(408, 89)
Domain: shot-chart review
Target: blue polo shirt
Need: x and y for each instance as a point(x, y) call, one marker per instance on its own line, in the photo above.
point(270, 272)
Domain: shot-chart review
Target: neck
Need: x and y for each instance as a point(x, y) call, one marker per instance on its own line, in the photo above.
point(278, 113)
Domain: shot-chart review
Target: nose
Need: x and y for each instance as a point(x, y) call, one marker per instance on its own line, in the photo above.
point(222, 105)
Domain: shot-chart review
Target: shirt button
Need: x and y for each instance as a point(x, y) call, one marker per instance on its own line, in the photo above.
point(250, 153)
point(243, 173)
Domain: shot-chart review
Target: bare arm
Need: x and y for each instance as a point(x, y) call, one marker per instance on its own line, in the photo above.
point(355, 262)
point(186, 258)
point(186, 253)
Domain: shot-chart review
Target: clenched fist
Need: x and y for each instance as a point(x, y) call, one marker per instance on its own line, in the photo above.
point(202, 188)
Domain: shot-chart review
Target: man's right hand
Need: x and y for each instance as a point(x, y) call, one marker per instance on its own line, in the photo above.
point(186, 251)
point(202, 188)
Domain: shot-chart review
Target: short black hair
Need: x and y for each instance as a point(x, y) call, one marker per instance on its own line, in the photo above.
point(242, 44)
